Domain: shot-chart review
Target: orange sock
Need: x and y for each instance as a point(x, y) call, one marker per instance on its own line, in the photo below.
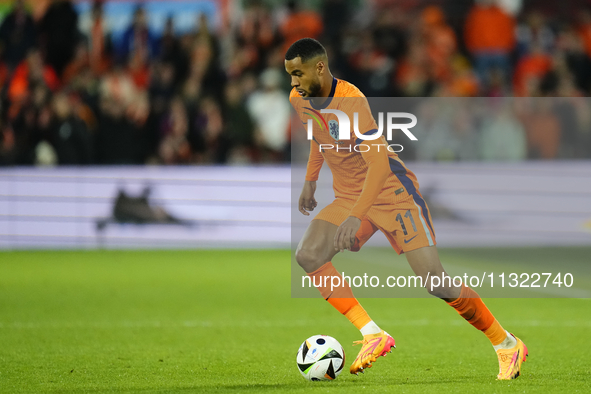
point(341, 297)
point(470, 307)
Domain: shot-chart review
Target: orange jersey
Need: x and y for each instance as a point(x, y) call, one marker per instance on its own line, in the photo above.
point(373, 175)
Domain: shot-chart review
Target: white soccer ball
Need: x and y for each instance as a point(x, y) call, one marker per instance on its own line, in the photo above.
point(320, 358)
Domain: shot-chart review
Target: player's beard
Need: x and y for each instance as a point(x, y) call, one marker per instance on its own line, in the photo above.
point(314, 89)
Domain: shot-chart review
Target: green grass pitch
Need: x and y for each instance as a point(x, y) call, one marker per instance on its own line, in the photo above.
point(223, 321)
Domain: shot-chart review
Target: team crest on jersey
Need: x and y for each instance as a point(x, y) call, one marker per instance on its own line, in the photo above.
point(333, 129)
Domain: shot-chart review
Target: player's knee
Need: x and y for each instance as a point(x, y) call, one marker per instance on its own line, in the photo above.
point(309, 259)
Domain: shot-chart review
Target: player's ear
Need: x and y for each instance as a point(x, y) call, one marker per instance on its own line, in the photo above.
point(320, 68)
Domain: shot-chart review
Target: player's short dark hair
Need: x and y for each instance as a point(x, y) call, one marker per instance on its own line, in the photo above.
point(306, 49)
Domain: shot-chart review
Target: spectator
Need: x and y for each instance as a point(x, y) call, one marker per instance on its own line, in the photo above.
point(503, 136)
point(462, 82)
point(79, 63)
point(86, 85)
point(207, 135)
point(256, 34)
point(389, 35)
point(270, 110)
point(99, 42)
point(59, 34)
point(204, 32)
point(530, 69)
point(373, 67)
point(205, 68)
point(175, 147)
point(68, 134)
point(574, 118)
point(17, 35)
point(171, 52)
point(584, 30)
point(440, 40)
point(116, 139)
point(4, 78)
point(447, 133)
point(498, 86)
point(29, 72)
point(572, 46)
point(542, 128)
point(138, 39)
point(490, 37)
point(335, 15)
point(300, 24)
point(239, 126)
point(8, 149)
point(29, 126)
point(162, 86)
point(118, 86)
point(412, 75)
point(138, 70)
point(45, 154)
point(534, 33)
point(559, 81)
point(145, 124)
point(582, 140)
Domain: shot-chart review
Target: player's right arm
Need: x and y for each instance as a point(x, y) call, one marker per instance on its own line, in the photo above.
point(307, 202)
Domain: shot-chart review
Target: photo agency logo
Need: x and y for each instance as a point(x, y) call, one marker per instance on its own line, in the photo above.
point(340, 130)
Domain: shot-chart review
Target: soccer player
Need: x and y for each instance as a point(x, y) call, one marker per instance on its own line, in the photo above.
point(374, 191)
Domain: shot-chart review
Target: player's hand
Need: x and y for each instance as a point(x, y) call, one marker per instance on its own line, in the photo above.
point(307, 201)
point(345, 236)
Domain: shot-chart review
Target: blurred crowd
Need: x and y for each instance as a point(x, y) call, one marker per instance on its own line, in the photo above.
point(72, 95)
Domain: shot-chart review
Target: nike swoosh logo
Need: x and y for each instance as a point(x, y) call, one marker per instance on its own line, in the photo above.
point(372, 345)
point(513, 360)
point(408, 240)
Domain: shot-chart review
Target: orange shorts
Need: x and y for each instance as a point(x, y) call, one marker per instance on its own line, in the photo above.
point(407, 224)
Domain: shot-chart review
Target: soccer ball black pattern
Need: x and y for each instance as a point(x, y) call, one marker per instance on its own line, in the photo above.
point(320, 357)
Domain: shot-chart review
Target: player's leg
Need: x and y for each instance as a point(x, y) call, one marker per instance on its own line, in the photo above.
point(426, 264)
point(314, 254)
point(409, 229)
point(316, 247)
point(511, 351)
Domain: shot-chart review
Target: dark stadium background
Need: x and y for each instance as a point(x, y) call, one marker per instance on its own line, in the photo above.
point(165, 124)
point(180, 90)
